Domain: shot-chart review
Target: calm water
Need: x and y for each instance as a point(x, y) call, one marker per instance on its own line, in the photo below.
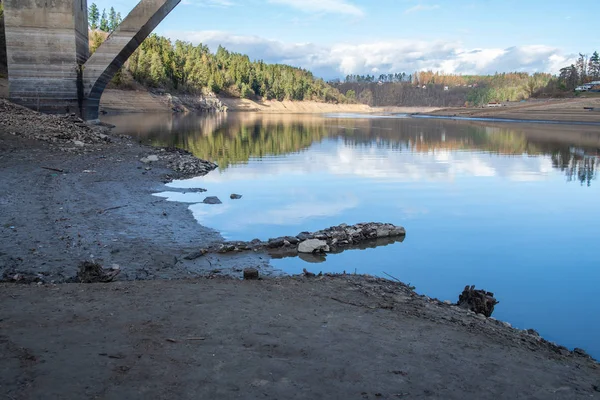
point(511, 208)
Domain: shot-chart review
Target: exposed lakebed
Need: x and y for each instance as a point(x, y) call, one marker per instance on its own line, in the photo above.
point(512, 208)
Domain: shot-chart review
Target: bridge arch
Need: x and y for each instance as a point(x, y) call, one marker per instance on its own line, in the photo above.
point(99, 69)
point(49, 67)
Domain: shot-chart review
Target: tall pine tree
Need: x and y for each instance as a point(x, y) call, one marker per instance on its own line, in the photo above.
point(112, 19)
point(104, 26)
point(93, 16)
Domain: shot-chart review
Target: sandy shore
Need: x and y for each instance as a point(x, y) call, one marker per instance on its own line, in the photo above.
point(114, 101)
point(148, 336)
point(565, 110)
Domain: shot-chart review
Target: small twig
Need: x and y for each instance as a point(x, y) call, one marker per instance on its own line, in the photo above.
point(393, 277)
point(110, 208)
point(171, 340)
point(195, 338)
point(54, 169)
point(347, 302)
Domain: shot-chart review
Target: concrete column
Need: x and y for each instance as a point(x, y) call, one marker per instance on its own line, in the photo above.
point(46, 41)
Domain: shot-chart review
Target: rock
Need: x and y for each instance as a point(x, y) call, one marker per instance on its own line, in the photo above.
point(226, 248)
point(275, 243)
point(235, 196)
point(196, 254)
point(250, 274)
point(313, 246)
point(448, 302)
point(581, 352)
point(212, 200)
point(304, 236)
point(78, 143)
point(150, 158)
point(308, 274)
point(478, 301)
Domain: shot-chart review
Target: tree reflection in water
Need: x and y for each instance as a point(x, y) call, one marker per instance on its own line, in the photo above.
point(238, 137)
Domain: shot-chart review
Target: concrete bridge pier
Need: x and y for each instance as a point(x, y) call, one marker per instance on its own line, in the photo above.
point(49, 68)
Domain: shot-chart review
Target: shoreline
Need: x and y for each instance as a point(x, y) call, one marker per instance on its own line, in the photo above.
point(71, 193)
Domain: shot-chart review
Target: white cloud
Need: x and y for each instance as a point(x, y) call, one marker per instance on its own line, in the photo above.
point(407, 55)
point(322, 6)
point(421, 7)
point(208, 3)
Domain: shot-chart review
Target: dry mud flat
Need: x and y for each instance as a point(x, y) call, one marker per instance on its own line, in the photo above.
point(329, 337)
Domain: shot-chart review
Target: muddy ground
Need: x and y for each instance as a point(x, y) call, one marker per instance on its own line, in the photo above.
point(100, 207)
point(344, 337)
point(69, 193)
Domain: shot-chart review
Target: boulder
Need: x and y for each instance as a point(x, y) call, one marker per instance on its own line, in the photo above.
point(313, 246)
point(212, 200)
point(150, 158)
point(234, 196)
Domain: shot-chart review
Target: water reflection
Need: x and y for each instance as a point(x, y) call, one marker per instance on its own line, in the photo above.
point(237, 138)
point(495, 205)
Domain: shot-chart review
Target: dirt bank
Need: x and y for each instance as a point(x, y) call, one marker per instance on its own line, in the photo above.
point(345, 337)
point(76, 196)
point(563, 110)
point(141, 100)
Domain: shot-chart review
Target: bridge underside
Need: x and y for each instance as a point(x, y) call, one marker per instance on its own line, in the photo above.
point(49, 68)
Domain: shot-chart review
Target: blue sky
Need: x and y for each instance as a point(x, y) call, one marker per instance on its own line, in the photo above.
point(338, 37)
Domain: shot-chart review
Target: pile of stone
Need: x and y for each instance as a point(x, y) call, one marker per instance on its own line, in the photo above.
point(347, 235)
point(330, 240)
point(62, 129)
point(186, 163)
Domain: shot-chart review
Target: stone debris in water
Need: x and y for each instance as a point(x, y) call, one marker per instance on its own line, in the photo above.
point(478, 301)
point(332, 239)
point(313, 246)
point(212, 200)
point(235, 196)
point(185, 162)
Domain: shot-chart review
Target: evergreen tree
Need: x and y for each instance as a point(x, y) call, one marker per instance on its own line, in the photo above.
point(93, 16)
point(594, 66)
point(112, 20)
point(104, 26)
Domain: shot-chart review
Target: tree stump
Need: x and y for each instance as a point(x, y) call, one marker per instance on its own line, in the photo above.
point(478, 301)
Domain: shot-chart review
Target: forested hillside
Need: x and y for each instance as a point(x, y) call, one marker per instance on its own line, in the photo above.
point(184, 67)
point(426, 88)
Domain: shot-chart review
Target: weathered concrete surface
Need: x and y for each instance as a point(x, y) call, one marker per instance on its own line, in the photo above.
point(111, 55)
point(45, 43)
point(3, 70)
point(47, 52)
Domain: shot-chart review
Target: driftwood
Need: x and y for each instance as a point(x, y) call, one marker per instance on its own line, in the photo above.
point(91, 272)
point(478, 301)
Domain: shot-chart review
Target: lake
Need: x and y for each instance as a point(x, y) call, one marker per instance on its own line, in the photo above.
point(511, 208)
